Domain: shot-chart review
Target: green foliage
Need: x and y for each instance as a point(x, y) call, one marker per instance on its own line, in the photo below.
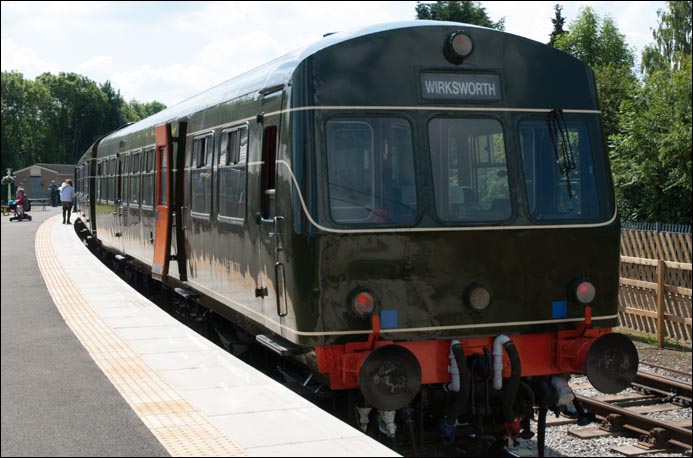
point(651, 159)
point(599, 44)
point(648, 124)
point(55, 118)
point(458, 11)
point(558, 22)
point(134, 111)
point(672, 39)
point(596, 42)
point(77, 116)
point(615, 85)
point(23, 103)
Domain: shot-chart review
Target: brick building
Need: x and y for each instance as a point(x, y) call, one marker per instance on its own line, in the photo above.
point(36, 178)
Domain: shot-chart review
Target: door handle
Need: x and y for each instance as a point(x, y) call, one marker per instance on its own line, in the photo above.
point(280, 288)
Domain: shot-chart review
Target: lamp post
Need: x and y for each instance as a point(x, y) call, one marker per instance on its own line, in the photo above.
point(8, 180)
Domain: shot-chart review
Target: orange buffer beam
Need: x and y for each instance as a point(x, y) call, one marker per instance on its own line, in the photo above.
point(540, 354)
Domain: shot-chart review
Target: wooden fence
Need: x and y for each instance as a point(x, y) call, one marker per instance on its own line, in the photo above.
point(655, 285)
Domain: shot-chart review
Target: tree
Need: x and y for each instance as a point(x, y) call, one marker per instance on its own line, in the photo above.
point(599, 44)
point(135, 111)
point(54, 119)
point(79, 116)
point(458, 11)
point(115, 106)
point(651, 157)
point(558, 22)
point(596, 42)
point(651, 160)
point(24, 104)
point(672, 39)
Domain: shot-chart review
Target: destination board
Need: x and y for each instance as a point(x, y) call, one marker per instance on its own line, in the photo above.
point(460, 86)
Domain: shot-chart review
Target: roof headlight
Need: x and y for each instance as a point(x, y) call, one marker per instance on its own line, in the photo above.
point(458, 46)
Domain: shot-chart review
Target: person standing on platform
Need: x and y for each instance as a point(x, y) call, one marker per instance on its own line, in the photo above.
point(53, 188)
point(67, 193)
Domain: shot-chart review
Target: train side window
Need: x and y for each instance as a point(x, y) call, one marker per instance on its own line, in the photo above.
point(106, 182)
point(99, 180)
point(135, 179)
point(109, 180)
point(127, 167)
point(113, 169)
point(163, 195)
point(233, 172)
point(553, 192)
point(148, 177)
point(202, 174)
point(469, 170)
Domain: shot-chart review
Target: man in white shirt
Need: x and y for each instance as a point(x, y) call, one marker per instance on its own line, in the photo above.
point(67, 193)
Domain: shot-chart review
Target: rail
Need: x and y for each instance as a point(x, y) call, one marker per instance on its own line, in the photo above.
point(653, 432)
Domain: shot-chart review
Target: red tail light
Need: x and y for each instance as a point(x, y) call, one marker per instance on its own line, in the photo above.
point(585, 292)
point(363, 303)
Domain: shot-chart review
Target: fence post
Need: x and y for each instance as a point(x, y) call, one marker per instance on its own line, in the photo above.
point(661, 270)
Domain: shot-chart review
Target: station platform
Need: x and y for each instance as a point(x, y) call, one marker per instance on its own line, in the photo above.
point(92, 368)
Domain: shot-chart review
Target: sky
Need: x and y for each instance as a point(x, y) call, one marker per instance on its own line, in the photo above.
point(169, 51)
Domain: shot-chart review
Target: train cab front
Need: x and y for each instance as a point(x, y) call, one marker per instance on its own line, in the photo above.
point(462, 227)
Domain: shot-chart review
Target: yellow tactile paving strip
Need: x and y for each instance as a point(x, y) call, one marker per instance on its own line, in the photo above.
point(181, 429)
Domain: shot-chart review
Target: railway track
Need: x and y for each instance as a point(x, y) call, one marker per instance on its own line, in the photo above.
point(626, 413)
point(676, 372)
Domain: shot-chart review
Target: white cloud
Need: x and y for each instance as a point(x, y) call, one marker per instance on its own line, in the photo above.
point(169, 51)
point(23, 59)
point(102, 64)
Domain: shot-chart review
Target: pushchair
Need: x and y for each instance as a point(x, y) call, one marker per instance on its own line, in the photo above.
point(20, 213)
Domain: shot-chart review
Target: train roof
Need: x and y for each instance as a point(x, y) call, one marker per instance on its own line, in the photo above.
point(271, 74)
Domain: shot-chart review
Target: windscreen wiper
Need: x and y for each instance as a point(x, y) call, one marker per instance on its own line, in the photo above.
point(560, 141)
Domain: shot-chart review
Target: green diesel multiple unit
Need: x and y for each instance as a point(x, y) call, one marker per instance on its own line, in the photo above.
point(420, 206)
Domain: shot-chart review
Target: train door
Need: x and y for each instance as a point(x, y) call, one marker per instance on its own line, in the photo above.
point(270, 253)
point(177, 162)
point(162, 202)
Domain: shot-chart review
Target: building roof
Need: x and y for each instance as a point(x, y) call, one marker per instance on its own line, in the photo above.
point(61, 169)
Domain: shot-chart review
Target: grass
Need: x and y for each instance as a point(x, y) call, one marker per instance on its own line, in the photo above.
point(651, 339)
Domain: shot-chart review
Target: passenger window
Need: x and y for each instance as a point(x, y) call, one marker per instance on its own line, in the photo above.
point(148, 178)
point(135, 179)
point(232, 172)
point(127, 169)
point(202, 174)
point(469, 170)
point(113, 168)
point(99, 181)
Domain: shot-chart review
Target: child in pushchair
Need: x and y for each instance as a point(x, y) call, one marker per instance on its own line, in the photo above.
point(20, 206)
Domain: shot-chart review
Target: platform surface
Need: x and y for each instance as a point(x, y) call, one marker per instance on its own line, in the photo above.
point(91, 367)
